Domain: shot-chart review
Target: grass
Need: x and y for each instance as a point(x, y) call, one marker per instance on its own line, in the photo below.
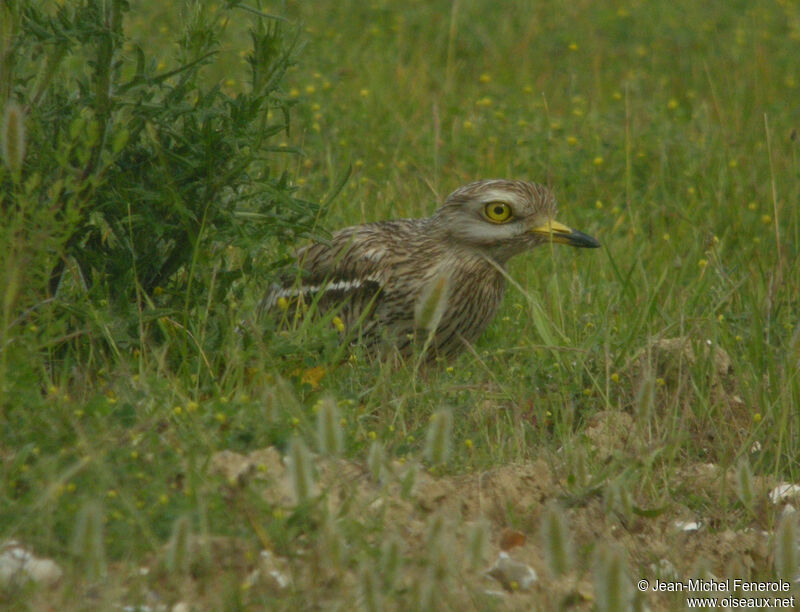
point(667, 130)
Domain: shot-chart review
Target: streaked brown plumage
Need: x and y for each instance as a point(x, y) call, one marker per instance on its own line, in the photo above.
point(394, 281)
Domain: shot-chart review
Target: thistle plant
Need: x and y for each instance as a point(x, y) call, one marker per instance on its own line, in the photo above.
point(138, 179)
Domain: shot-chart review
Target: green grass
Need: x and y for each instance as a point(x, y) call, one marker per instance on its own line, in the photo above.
point(666, 129)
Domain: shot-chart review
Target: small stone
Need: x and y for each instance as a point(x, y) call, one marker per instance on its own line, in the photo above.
point(18, 565)
point(269, 573)
point(513, 575)
point(688, 525)
point(784, 492)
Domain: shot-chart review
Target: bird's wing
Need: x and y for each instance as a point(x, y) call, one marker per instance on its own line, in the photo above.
point(351, 269)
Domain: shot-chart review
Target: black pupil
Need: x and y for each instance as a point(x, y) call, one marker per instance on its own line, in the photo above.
point(499, 210)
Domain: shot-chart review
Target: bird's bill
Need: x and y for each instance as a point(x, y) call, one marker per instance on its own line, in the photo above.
point(558, 232)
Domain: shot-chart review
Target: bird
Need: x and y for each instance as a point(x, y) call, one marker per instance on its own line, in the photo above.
point(435, 281)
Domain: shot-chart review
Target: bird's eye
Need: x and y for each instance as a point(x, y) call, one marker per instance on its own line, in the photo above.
point(497, 212)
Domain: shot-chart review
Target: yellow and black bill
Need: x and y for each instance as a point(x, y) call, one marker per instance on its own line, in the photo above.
point(560, 233)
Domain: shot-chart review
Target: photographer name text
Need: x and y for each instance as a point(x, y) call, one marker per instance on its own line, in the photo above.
point(729, 585)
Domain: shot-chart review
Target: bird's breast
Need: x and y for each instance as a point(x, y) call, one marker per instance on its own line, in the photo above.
point(474, 291)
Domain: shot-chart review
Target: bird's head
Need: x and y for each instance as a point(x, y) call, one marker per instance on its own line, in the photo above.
point(503, 218)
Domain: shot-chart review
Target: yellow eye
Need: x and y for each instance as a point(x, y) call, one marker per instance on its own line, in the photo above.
point(497, 212)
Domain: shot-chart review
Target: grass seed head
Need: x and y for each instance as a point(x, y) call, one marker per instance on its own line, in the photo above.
point(408, 481)
point(438, 546)
point(300, 471)
point(178, 556)
point(437, 442)
point(376, 460)
point(787, 553)
point(329, 428)
point(334, 547)
point(477, 542)
point(88, 543)
point(617, 499)
point(431, 304)
point(556, 541)
point(370, 588)
point(744, 484)
point(611, 583)
point(645, 398)
point(577, 469)
point(12, 139)
point(391, 561)
point(426, 591)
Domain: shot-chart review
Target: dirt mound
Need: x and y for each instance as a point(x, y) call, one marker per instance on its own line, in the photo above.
point(436, 520)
